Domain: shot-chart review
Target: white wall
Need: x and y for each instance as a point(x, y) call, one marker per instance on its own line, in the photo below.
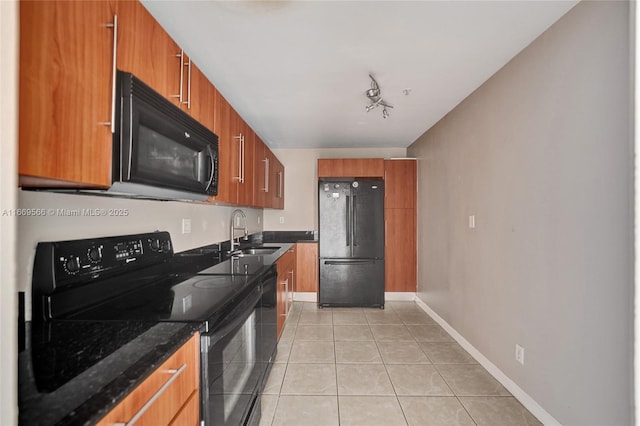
point(301, 176)
point(8, 182)
point(542, 155)
point(209, 223)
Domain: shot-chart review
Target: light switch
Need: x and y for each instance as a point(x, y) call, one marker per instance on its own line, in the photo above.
point(472, 221)
point(186, 226)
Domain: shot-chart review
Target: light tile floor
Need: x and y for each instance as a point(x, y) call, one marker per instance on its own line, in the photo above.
point(397, 366)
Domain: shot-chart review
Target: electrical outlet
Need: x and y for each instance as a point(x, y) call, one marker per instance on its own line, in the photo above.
point(281, 219)
point(472, 221)
point(186, 226)
point(258, 220)
point(519, 354)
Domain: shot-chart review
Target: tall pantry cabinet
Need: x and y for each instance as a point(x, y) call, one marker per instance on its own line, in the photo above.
point(400, 179)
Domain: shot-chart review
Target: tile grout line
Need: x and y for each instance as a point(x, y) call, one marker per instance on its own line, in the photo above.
point(391, 381)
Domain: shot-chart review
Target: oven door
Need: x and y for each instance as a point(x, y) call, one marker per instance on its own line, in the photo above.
point(160, 145)
point(231, 369)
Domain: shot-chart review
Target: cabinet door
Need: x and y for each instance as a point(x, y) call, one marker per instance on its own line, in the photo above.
point(147, 51)
point(286, 266)
point(202, 97)
point(400, 250)
point(276, 181)
point(181, 375)
point(281, 294)
point(66, 75)
point(293, 276)
point(246, 187)
point(262, 177)
point(400, 183)
point(306, 267)
point(351, 167)
point(228, 152)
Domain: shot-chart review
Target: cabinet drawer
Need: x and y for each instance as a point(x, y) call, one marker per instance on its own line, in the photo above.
point(162, 395)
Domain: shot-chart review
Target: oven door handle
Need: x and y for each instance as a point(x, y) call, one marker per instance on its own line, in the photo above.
point(238, 316)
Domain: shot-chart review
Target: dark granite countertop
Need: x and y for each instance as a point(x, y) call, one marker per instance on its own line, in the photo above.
point(92, 393)
point(289, 237)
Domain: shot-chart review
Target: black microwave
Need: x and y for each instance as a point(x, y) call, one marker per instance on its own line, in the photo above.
point(159, 151)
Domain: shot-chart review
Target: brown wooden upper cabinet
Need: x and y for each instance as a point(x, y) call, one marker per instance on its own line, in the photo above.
point(269, 189)
point(66, 74)
point(203, 98)
point(147, 51)
point(261, 193)
point(400, 183)
point(278, 184)
point(351, 167)
point(236, 156)
point(248, 159)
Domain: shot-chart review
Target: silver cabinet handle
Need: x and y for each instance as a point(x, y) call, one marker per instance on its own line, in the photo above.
point(240, 177)
point(188, 101)
point(266, 174)
point(112, 122)
point(280, 182)
point(180, 94)
point(149, 403)
point(242, 157)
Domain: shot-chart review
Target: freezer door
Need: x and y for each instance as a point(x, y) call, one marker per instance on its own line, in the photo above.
point(351, 282)
point(368, 219)
point(334, 210)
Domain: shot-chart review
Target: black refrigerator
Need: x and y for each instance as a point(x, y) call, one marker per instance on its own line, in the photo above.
point(351, 242)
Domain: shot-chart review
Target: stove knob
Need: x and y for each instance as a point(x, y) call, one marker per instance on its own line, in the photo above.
point(155, 244)
point(166, 246)
point(94, 254)
point(72, 265)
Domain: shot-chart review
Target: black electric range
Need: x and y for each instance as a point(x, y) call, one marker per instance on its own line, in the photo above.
point(122, 286)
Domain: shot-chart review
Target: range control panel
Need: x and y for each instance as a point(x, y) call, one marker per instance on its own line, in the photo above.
point(62, 263)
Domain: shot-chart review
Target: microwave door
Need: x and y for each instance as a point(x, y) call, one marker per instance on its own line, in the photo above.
point(166, 155)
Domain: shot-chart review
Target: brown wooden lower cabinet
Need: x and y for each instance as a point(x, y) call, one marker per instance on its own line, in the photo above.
point(190, 412)
point(286, 282)
point(171, 391)
point(307, 267)
point(400, 250)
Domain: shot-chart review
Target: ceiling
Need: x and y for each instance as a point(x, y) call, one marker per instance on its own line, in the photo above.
point(297, 71)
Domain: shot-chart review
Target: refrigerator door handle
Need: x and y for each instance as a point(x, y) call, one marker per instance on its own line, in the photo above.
point(349, 262)
point(348, 222)
point(355, 222)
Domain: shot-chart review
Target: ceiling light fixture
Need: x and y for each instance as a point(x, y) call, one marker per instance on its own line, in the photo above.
point(376, 100)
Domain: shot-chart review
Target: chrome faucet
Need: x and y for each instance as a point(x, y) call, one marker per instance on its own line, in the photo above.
point(233, 228)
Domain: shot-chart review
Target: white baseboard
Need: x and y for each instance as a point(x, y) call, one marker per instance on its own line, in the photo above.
point(388, 296)
point(398, 296)
point(300, 296)
point(528, 402)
